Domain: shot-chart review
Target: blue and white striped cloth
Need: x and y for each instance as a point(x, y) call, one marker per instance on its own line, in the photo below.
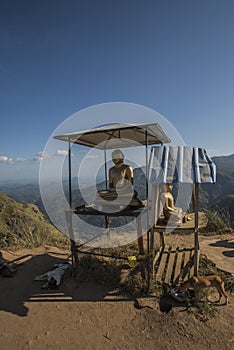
point(183, 164)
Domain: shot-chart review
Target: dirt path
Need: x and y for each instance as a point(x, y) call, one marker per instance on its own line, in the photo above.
point(93, 317)
point(221, 251)
point(218, 248)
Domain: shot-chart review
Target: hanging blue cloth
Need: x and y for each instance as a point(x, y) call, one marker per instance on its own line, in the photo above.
point(183, 164)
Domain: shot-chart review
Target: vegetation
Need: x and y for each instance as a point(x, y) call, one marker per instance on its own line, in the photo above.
point(23, 225)
point(90, 268)
point(218, 222)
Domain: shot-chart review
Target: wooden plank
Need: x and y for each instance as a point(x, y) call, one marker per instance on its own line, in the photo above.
point(177, 268)
point(174, 230)
point(186, 267)
point(162, 265)
point(188, 226)
point(157, 256)
point(170, 268)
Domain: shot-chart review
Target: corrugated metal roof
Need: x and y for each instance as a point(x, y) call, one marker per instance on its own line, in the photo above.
point(170, 164)
point(117, 136)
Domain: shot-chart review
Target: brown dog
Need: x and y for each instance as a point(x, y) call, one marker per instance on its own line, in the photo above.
point(199, 283)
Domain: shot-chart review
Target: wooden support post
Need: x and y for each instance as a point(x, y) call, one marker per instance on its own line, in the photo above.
point(71, 235)
point(140, 245)
point(140, 236)
point(162, 240)
point(151, 238)
point(196, 240)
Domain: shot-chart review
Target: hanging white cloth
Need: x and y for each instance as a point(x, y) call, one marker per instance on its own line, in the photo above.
point(183, 164)
point(176, 164)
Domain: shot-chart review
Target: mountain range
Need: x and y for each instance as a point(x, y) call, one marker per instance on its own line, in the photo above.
point(218, 196)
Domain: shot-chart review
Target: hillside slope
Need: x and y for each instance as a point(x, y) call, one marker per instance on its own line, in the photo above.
point(24, 225)
point(224, 163)
point(220, 195)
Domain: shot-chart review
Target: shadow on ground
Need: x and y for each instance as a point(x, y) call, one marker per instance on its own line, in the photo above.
point(225, 244)
point(18, 291)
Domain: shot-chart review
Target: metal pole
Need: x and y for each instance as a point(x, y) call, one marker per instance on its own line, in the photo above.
point(69, 212)
point(69, 173)
point(147, 209)
point(105, 169)
point(146, 182)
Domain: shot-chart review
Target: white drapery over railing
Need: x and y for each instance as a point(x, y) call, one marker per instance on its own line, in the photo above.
point(176, 164)
point(172, 164)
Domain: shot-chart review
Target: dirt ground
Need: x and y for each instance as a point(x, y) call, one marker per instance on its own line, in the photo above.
point(94, 317)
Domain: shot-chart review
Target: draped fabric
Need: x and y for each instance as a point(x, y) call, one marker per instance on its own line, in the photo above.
point(176, 164)
point(155, 204)
point(171, 164)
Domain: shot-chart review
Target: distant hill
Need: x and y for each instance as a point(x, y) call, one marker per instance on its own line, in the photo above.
point(23, 225)
point(225, 163)
point(211, 195)
point(226, 204)
point(220, 195)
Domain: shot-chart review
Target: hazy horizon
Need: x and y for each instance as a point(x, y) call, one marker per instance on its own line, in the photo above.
point(27, 172)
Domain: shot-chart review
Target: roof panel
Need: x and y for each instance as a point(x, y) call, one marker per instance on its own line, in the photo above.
point(117, 135)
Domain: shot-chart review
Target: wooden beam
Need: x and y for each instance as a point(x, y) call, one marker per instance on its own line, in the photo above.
point(162, 265)
point(178, 268)
point(170, 266)
point(140, 236)
point(196, 241)
point(74, 251)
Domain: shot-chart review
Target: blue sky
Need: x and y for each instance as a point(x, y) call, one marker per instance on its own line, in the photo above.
point(58, 57)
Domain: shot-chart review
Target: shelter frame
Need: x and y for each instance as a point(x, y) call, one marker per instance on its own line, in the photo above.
point(123, 135)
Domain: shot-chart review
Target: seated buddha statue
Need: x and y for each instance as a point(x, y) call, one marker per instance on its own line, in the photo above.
point(172, 213)
point(120, 175)
point(120, 182)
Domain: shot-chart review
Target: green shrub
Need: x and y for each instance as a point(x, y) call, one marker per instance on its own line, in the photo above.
point(216, 224)
point(90, 268)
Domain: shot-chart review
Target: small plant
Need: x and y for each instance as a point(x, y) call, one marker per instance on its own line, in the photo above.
point(229, 283)
point(208, 267)
point(157, 289)
point(90, 268)
point(205, 309)
point(134, 284)
point(216, 223)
